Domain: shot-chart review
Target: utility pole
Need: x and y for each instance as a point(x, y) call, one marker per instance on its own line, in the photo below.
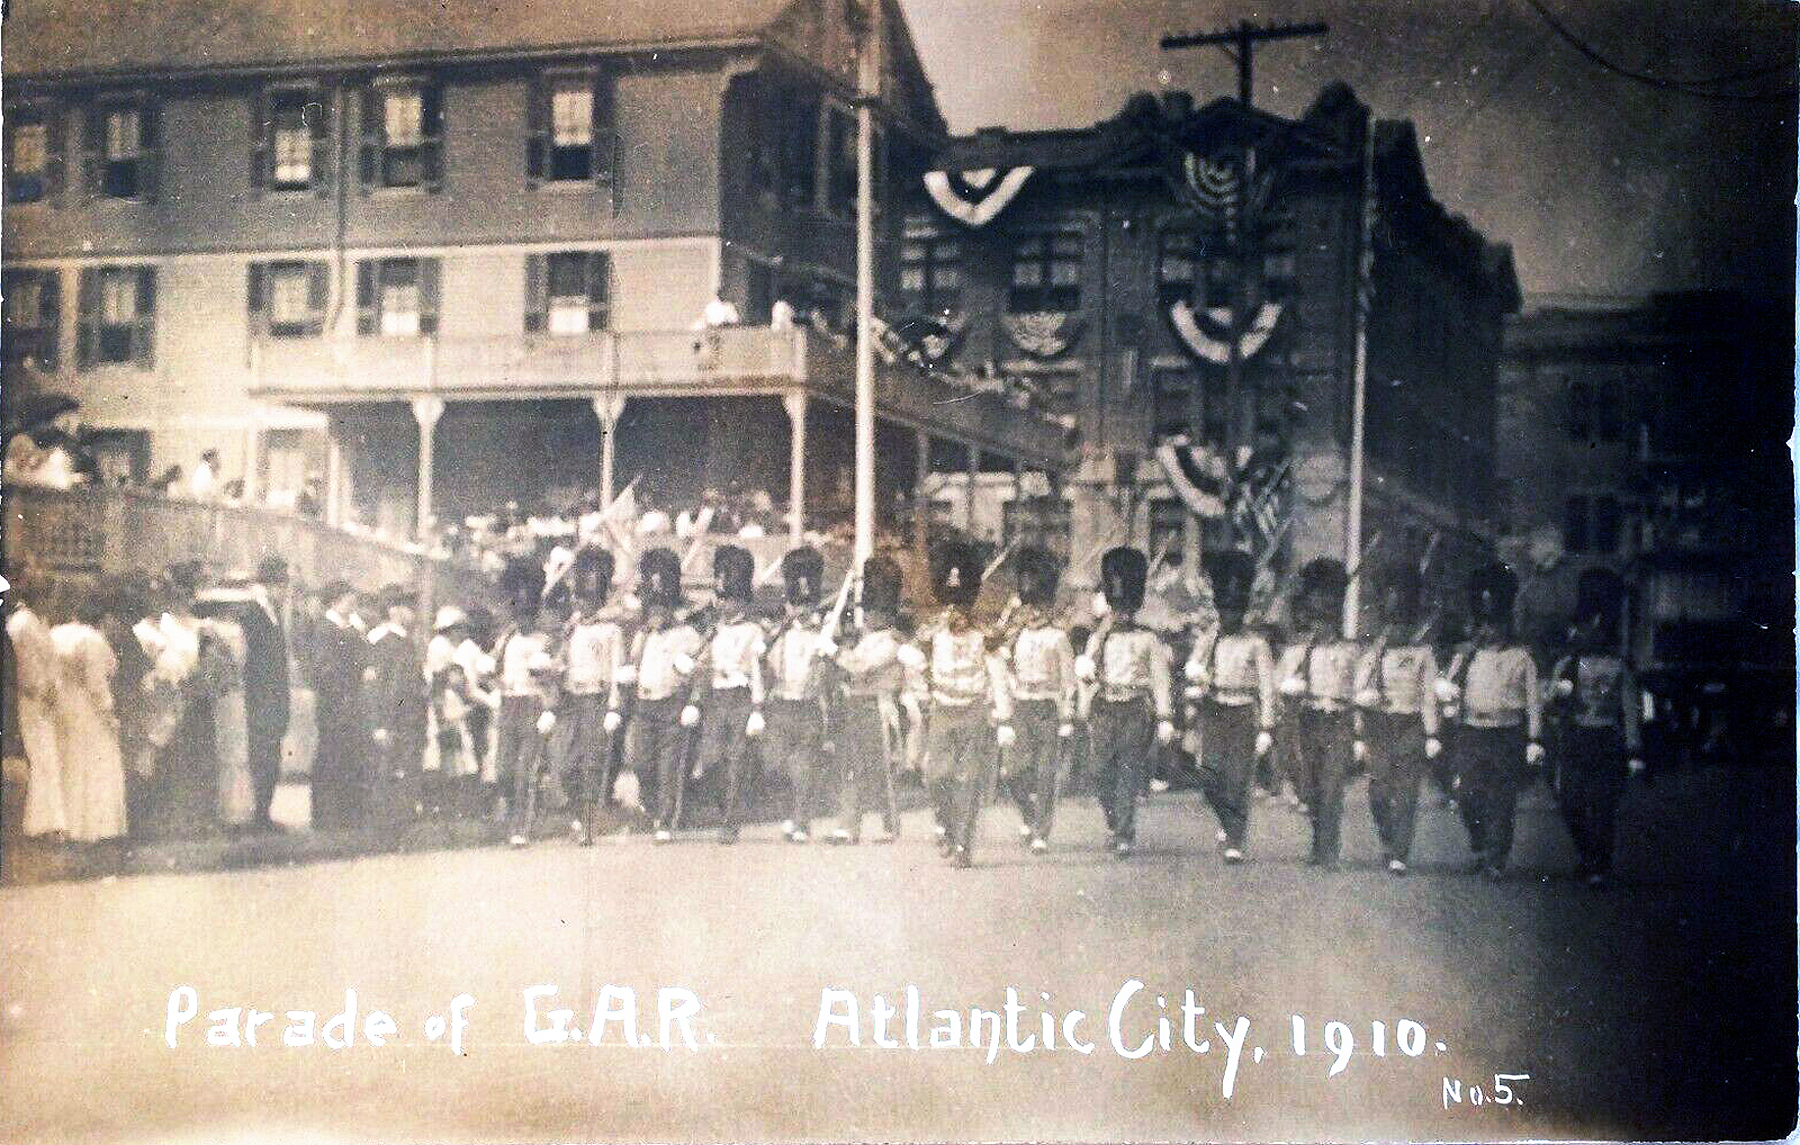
point(868, 91)
point(1240, 42)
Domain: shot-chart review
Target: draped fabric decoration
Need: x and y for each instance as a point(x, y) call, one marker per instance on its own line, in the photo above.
point(1042, 333)
point(1198, 474)
point(1215, 186)
point(973, 198)
point(928, 341)
point(1208, 332)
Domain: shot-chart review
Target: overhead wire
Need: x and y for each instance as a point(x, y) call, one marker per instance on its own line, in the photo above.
point(1695, 88)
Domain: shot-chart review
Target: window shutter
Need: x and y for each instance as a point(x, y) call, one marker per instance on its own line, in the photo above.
point(87, 332)
point(537, 130)
point(256, 298)
point(93, 148)
point(50, 319)
point(599, 287)
point(428, 295)
point(370, 152)
point(259, 137)
point(148, 154)
point(367, 315)
point(318, 292)
point(324, 156)
point(143, 336)
point(55, 130)
point(606, 144)
point(537, 293)
point(431, 148)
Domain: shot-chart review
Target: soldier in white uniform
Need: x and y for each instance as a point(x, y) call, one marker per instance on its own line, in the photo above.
point(526, 656)
point(1130, 706)
point(731, 710)
point(663, 660)
point(1499, 719)
point(1042, 663)
point(593, 648)
point(793, 682)
point(1231, 679)
point(1598, 711)
point(870, 677)
point(1398, 713)
point(1319, 684)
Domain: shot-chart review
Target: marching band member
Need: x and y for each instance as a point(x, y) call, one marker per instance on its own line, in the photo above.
point(663, 662)
point(1320, 686)
point(592, 649)
point(525, 654)
point(871, 677)
point(1042, 684)
point(794, 737)
point(733, 712)
point(1232, 678)
point(1399, 714)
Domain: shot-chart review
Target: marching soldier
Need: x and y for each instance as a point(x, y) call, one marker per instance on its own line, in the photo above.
point(1319, 683)
point(593, 647)
point(871, 679)
point(1232, 678)
point(969, 709)
point(525, 654)
point(1043, 695)
point(1399, 714)
point(1595, 699)
point(663, 662)
point(395, 680)
point(1130, 705)
point(1499, 719)
point(733, 713)
point(792, 707)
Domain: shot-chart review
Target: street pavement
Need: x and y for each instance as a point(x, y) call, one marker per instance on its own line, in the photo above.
point(1662, 1007)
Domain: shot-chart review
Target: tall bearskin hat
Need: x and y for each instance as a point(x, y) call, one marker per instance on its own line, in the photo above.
point(1038, 574)
point(803, 569)
point(1319, 593)
point(734, 572)
point(522, 583)
point(1232, 573)
point(1123, 573)
point(881, 582)
point(659, 578)
point(1599, 597)
point(1399, 591)
point(955, 573)
point(1492, 588)
point(591, 575)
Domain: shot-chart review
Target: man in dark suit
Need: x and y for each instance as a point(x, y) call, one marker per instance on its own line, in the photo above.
point(266, 682)
point(339, 653)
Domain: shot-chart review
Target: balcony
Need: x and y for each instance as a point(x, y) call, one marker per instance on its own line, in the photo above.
point(680, 363)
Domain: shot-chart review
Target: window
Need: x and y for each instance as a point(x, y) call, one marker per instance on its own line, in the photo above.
point(1596, 411)
point(1046, 273)
point(840, 158)
point(397, 297)
point(800, 149)
point(287, 299)
point(117, 316)
point(1177, 254)
point(1593, 524)
point(568, 292)
point(33, 161)
point(1172, 404)
point(121, 150)
point(291, 131)
point(402, 135)
point(571, 135)
point(931, 272)
point(33, 318)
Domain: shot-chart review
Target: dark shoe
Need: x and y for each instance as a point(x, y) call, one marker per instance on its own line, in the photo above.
point(959, 858)
point(728, 836)
point(1121, 848)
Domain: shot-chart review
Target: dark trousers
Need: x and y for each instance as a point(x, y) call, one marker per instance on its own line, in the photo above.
point(961, 746)
point(1396, 745)
point(793, 739)
point(265, 765)
point(659, 755)
point(340, 781)
point(1325, 740)
point(724, 750)
point(1592, 782)
point(865, 777)
point(1120, 733)
point(1033, 764)
point(519, 754)
point(582, 751)
point(1228, 765)
point(1490, 773)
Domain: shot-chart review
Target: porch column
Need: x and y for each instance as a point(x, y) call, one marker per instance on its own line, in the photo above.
point(921, 503)
point(795, 402)
point(252, 475)
point(335, 490)
point(969, 491)
point(426, 411)
point(608, 408)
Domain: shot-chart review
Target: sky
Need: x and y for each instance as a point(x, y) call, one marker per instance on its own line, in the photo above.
point(1604, 185)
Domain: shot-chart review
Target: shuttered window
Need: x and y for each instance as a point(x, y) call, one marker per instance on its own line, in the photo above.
point(288, 299)
point(120, 149)
point(402, 135)
point(568, 292)
point(33, 318)
point(397, 297)
point(117, 317)
point(570, 133)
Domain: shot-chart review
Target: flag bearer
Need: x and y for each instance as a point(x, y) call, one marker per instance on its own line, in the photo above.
point(1595, 699)
point(1042, 684)
point(663, 662)
point(1233, 676)
point(1499, 720)
point(1130, 705)
point(871, 678)
point(1399, 712)
point(733, 712)
point(1320, 686)
point(592, 650)
point(795, 736)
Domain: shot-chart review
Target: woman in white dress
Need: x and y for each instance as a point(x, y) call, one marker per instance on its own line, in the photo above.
point(93, 772)
point(35, 670)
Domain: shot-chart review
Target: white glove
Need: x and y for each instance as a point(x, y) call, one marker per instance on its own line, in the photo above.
point(1101, 607)
point(1085, 669)
point(1368, 698)
point(368, 675)
point(753, 726)
point(382, 736)
point(910, 657)
point(1064, 731)
point(1564, 687)
point(1635, 766)
point(690, 716)
point(1434, 747)
point(1005, 736)
point(1359, 751)
point(611, 721)
point(827, 647)
point(1193, 670)
point(1445, 690)
point(1293, 686)
point(627, 674)
point(546, 722)
point(1534, 753)
point(684, 663)
point(1165, 731)
point(1264, 743)
point(1193, 692)
point(485, 666)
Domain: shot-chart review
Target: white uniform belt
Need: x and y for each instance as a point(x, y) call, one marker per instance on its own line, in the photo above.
point(1504, 718)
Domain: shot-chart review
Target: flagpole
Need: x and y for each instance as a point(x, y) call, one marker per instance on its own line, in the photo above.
point(1360, 384)
point(868, 85)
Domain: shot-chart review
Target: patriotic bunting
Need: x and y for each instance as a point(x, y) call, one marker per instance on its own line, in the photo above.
point(1042, 333)
point(1198, 474)
point(974, 197)
point(1208, 332)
